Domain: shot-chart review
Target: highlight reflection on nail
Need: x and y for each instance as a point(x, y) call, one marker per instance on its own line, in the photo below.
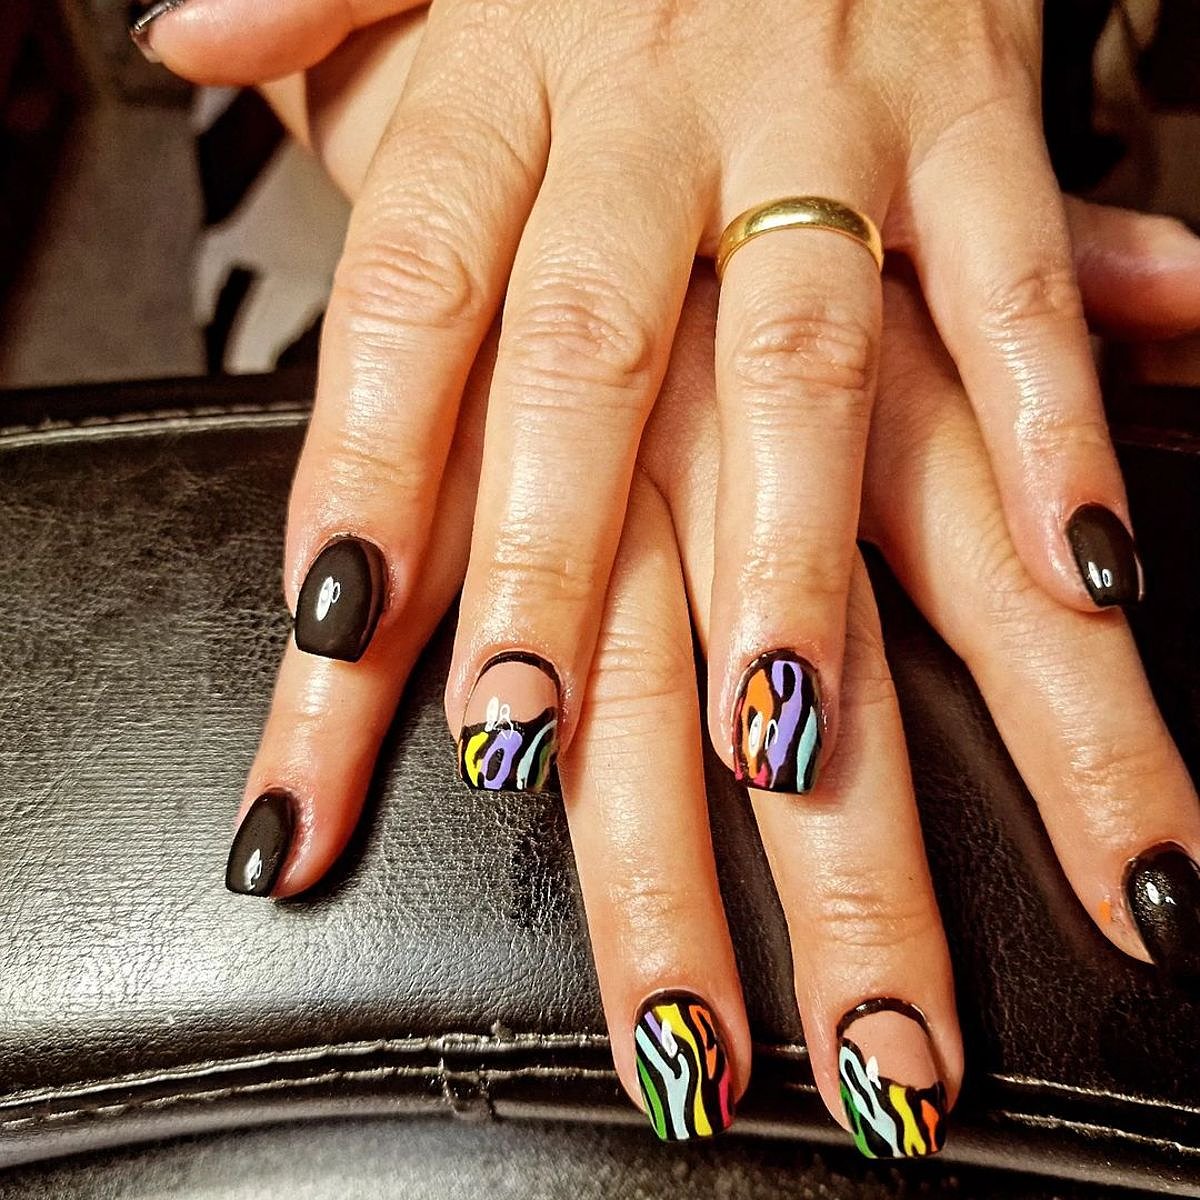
point(893, 1095)
point(777, 724)
point(682, 1068)
point(509, 737)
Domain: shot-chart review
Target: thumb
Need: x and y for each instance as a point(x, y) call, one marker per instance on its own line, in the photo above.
point(1139, 274)
point(228, 42)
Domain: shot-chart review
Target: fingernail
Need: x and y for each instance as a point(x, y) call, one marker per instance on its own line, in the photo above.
point(509, 736)
point(777, 724)
point(260, 845)
point(1162, 887)
point(682, 1068)
point(1105, 555)
point(341, 600)
point(893, 1095)
point(142, 17)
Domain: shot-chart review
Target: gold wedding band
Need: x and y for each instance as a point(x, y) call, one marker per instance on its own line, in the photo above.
point(798, 212)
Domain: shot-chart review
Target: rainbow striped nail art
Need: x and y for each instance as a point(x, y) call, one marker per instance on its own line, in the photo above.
point(682, 1068)
point(509, 737)
point(888, 1118)
point(777, 724)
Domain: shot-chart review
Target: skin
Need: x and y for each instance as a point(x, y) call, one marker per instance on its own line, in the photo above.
point(568, 162)
point(933, 507)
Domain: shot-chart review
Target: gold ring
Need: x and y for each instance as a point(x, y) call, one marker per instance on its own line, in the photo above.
point(798, 212)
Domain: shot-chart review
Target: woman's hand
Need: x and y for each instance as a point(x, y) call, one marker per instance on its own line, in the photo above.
point(572, 159)
point(848, 863)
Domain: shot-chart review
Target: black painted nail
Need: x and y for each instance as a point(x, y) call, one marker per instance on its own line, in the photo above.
point(141, 17)
point(1105, 555)
point(260, 845)
point(777, 724)
point(341, 600)
point(1162, 887)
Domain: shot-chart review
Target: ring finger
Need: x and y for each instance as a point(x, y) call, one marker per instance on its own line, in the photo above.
point(796, 346)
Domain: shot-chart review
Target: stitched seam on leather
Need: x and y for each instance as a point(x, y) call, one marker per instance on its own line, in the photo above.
point(512, 1042)
point(212, 1095)
point(1093, 1127)
point(305, 1054)
point(107, 421)
point(185, 426)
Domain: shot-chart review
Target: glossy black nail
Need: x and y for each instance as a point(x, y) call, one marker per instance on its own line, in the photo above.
point(341, 600)
point(1105, 555)
point(1162, 887)
point(142, 16)
point(260, 845)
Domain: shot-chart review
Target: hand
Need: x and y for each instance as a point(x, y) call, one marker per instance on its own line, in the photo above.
point(843, 858)
point(573, 159)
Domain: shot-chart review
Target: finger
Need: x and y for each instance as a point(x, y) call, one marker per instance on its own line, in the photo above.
point(1066, 689)
point(305, 790)
point(992, 247)
point(425, 261)
point(589, 317)
point(848, 859)
point(1139, 274)
point(235, 42)
point(797, 334)
point(658, 930)
point(873, 976)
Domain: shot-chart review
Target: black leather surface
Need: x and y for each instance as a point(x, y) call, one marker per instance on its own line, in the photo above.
point(439, 1160)
point(444, 967)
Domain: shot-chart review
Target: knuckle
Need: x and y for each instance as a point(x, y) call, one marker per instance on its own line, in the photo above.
point(582, 331)
point(1107, 767)
point(543, 568)
point(873, 912)
point(638, 672)
point(797, 565)
point(411, 276)
point(1046, 293)
point(367, 464)
point(817, 348)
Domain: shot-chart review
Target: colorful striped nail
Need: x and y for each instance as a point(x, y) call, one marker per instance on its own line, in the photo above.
point(893, 1095)
point(777, 724)
point(682, 1068)
point(509, 737)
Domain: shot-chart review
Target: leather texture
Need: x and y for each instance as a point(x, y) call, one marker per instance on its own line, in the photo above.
point(444, 968)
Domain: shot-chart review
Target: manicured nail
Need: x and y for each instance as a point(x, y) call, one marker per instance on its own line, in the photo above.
point(341, 600)
point(893, 1095)
point(777, 724)
point(509, 736)
point(1105, 555)
point(141, 17)
point(682, 1068)
point(260, 845)
point(1162, 887)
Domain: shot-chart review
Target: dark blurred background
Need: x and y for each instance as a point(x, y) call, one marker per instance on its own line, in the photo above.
point(148, 229)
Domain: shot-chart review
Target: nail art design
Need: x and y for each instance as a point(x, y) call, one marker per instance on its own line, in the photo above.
point(1162, 887)
point(341, 600)
point(777, 724)
point(260, 845)
point(509, 737)
point(142, 16)
point(890, 1118)
point(682, 1068)
point(1105, 555)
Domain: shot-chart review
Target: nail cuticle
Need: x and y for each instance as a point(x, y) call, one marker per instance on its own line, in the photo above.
point(509, 736)
point(778, 724)
point(261, 845)
point(683, 1067)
